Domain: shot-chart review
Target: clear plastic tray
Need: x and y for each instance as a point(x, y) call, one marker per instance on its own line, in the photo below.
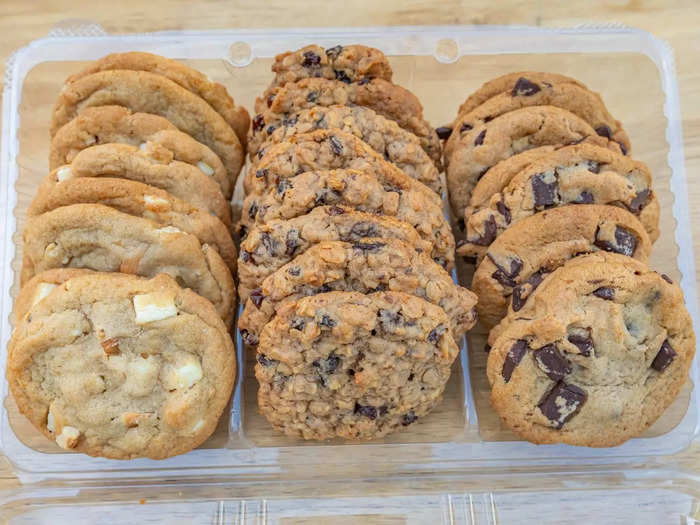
point(459, 458)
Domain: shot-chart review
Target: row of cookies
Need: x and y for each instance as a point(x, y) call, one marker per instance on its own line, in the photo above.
point(345, 250)
point(560, 222)
point(122, 343)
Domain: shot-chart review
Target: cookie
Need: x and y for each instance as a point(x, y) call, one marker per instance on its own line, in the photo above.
point(152, 165)
point(519, 259)
point(505, 136)
point(213, 93)
point(122, 367)
point(364, 266)
point(581, 174)
point(397, 145)
point(140, 200)
point(144, 92)
point(101, 238)
point(268, 247)
point(387, 99)
point(116, 124)
point(605, 350)
point(394, 195)
point(354, 366)
point(580, 101)
point(351, 63)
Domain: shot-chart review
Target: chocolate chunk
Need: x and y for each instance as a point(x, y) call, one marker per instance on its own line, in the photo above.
point(366, 410)
point(248, 338)
point(625, 242)
point(264, 361)
point(604, 131)
point(513, 358)
point(443, 132)
point(283, 186)
point(271, 129)
point(465, 127)
point(436, 333)
point(489, 235)
point(640, 200)
point(524, 88)
point(258, 123)
point(268, 243)
point(368, 246)
point(506, 276)
point(408, 418)
point(327, 365)
point(605, 292)
point(562, 403)
point(327, 321)
point(666, 278)
point(312, 97)
point(311, 60)
point(336, 145)
point(552, 362)
point(522, 291)
point(480, 138)
point(297, 323)
point(664, 357)
point(503, 209)
point(543, 192)
point(585, 197)
point(253, 210)
point(593, 166)
point(291, 242)
point(261, 174)
point(583, 342)
point(335, 210)
point(257, 297)
point(364, 229)
point(334, 52)
point(342, 76)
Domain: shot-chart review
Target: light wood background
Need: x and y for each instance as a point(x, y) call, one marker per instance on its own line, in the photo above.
point(677, 22)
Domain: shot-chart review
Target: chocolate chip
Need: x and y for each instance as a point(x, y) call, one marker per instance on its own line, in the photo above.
point(248, 338)
point(283, 186)
point(664, 357)
point(639, 201)
point(552, 362)
point(605, 292)
point(465, 127)
point(604, 131)
point(503, 209)
point(408, 418)
point(562, 403)
point(524, 88)
point(257, 297)
point(585, 197)
point(666, 278)
point(334, 52)
point(336, 145)
point(368, 246)
point(625, 242)
point(297, 323)
point(513, 358)
point(443, 132)
point(479, 140)
point(342, 76)
point(544, 193)
point(312, 97)
point(364, 229)
point(291, 242)
point(519, 296)
point(311, 59)
point(335, 210)
point(506, 276)
point(327, 365)
point(264, 361)
point(327, 321)
point(436, 333)
point(261, 174)
point(366, 410)
point(253, 210)
point(583, 342)
point(593, 166)
point(258, 122)
point(489, 235)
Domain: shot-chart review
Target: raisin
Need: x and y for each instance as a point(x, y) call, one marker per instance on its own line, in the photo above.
point(291, 242)
point(334, 52)
point(368, 246)
point(366, 410)
point(258, 123)
point(408, 418)
point(336, 145)
point(297, 323)
point(364, 229)
point(342, 76)
point(264, 361)
point(248, 338)
point(327, 321)
point(283, 186)
point(436, 333)
point(335, 210)
point(312, 97)
point(311, 60)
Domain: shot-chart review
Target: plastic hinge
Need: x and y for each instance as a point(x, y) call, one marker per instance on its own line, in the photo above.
point(76, 27)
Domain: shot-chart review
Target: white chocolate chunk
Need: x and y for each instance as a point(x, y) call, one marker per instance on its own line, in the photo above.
point(49, 421)
point(154, 306)
point(68, 438)
point(184, 376)
point(154, 203)
point(64, 173)
point(206, 168)
point(141, 376)
point(143, 146)
point(42, 291)
point(199, 424)
point(169, 229)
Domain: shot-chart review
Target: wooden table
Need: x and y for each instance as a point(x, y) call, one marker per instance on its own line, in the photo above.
point(677, 22)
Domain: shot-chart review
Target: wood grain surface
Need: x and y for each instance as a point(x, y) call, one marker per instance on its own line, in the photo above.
point(676, 22)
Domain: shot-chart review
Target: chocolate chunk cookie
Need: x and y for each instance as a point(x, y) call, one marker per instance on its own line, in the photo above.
point(351, 63)
point(519, 259)
point(387, 99)
point(193, 81)
point(581, 174)
point(152, 165)
point(397, 145)
point(503, 137)
point(364, 266)
point(605, 350)
point(122, 367)
point(140, 200)
point(145, 92)
point(116, 124)
point(354, 366)
point(578, 100)
point(268, 247)
point(101, 238)
point(392, 194)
